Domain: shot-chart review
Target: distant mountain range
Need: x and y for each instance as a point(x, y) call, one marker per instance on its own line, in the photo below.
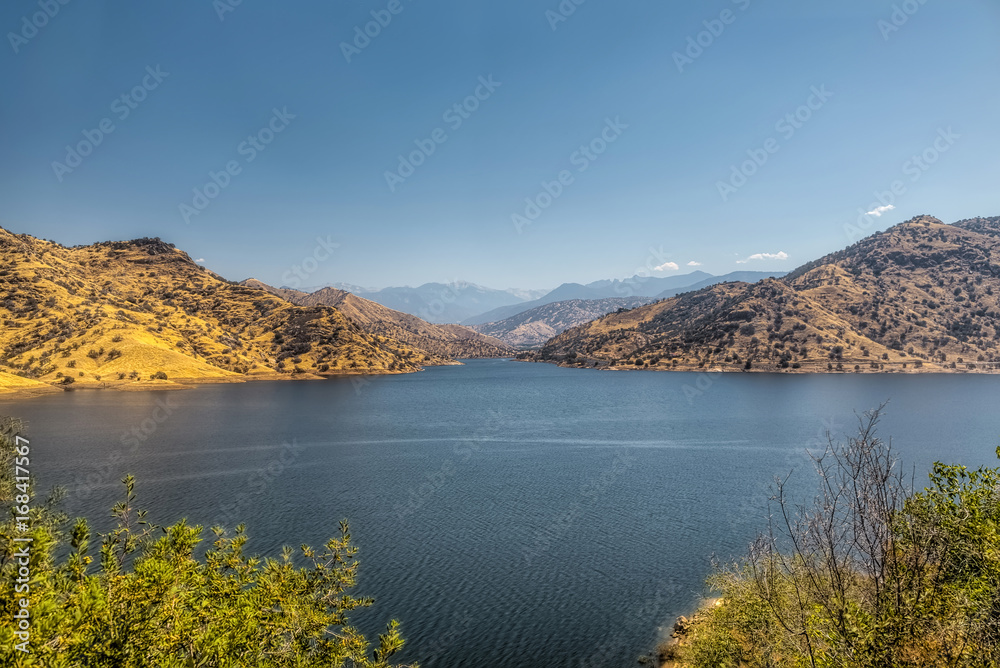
point(638, 286)
point(143, 312)
point(470, 304)
point(921, 295)
point(638, 290)
point(440, 303)
point(532, 328)
point(514, 316)
point(450, 341)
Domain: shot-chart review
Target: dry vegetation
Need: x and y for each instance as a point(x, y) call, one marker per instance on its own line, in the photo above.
point(874, 573)
point(532, 328)
point(142, 312)
point(453, 341)
point(921, 296)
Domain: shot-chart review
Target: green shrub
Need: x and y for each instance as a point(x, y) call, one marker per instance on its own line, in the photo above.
point(874, 575)
point(149, 601)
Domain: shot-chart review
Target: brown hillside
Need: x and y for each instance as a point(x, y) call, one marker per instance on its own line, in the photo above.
point(120, 312)
point(453, 341)
point(920, 296)
point(9, 383)
point(532, 328)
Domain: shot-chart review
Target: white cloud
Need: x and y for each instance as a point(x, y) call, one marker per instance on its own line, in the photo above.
point(667, 266)
point(692, 263)
point(200, 260)
point(879, 210)
point(780, 255)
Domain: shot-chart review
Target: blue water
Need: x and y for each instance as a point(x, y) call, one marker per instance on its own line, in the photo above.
point(508, 514)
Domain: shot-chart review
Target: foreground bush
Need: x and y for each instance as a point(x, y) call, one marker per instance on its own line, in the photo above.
point(150, 602)
point(874, 574)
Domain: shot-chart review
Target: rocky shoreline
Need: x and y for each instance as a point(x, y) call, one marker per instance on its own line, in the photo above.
point(669, 653)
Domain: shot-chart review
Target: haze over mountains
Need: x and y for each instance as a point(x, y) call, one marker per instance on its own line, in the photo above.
point(519, 321)
point(921, 295)
point(447, 340)
point(651, 287)
point(532, 328)
point(142, 312)
point(528, 323)
point(440, 303)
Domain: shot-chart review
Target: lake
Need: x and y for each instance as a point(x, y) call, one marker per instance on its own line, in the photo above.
point(508, 514)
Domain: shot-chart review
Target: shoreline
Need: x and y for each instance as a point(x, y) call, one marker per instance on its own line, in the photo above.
point(45, 389)
point(666, 653)
point(773, 370)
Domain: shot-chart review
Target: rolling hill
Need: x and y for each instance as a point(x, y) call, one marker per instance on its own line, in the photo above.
point(534, 327)
point(920, 296)
point(141, 312)
point(452, 341)
point(10, 383)
point(736, 276)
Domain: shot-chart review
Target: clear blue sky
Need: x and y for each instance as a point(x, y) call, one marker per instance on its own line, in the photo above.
point(656, 186)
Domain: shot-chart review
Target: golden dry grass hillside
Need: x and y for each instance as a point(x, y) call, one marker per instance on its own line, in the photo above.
point(920, 296)
point(454, 341)
point(9, 384)
point(142, 312)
